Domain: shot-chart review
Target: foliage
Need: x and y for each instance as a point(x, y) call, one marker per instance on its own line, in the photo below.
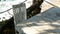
point(7, 26)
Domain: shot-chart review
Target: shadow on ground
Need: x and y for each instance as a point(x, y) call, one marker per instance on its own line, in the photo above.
point(50, 17)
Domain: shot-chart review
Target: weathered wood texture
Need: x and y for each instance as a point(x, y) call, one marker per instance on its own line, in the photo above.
point(19, 13)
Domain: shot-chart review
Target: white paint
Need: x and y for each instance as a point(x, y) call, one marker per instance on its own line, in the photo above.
point(7, 5)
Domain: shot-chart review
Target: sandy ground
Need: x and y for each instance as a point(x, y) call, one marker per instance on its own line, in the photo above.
point(47, 22)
